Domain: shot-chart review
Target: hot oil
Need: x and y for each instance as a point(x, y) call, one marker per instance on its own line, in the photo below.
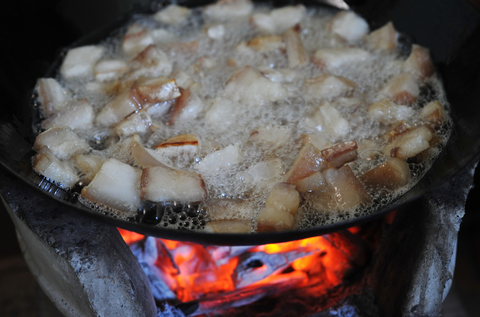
point(288, 114)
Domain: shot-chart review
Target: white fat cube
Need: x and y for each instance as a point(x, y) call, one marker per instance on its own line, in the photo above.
point(410, 143)
point(387, 112)
point(164, 184)
point(263, 174)
point(282, 75)
point(280, 209)
point(138, 122)
point(328, 87)
point(225, 10)
point(111, 69)
point(296, 53)
point(151, 62)
point(328, 120)
point(222, 113)
point(266, 43)
point(61, 172)
point(136, 40)
point(271, 136)
point(77, 115)
point(349, 26)
point(331, 59)
point(184, 144)
point(229, 226)
point(116, 110)
point(224, 159)
point(115, 185)
point(419, 63)
point(62, 141)
point(88, 166)
point(79, 62)
point(279, 20)
point(51, 95)
point(248, 86)
point(173, 15)
point(433, 113)
point(384, 38)
point(187, 107)
point(402, 89)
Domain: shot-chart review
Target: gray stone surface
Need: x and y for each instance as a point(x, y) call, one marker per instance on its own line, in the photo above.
point(413, 268)
point(82, 264)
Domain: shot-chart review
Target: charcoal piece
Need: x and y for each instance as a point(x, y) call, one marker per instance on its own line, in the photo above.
point(255, 266)
point(222, 254)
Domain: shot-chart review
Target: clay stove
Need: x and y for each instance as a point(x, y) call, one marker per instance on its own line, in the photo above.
point(377, 269)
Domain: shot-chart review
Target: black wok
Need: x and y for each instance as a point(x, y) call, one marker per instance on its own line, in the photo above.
point(38, 31)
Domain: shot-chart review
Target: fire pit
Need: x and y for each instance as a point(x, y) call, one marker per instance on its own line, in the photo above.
point(381, 268)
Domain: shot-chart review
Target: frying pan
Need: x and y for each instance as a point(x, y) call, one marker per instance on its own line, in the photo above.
point(40, 32)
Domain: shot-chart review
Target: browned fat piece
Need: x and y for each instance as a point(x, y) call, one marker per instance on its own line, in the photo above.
point(392, 174)
point(339, 154)
point(308, 161)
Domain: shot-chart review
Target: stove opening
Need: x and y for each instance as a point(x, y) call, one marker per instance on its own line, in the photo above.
point(300, 277)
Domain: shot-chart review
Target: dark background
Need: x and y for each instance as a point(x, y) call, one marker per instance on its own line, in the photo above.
point(31, 33)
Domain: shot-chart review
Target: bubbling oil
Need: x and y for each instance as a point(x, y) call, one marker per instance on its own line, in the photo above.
point(288, 114)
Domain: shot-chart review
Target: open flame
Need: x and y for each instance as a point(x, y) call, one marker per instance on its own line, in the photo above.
point(219, 278)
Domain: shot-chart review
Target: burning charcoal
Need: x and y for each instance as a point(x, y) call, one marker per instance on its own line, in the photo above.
point(223, 159)
point(245, 296)
point(111, 69)
point(340, 153)
point(187, 107)
point(266, 43)
point(392, 174)
point(152, 62)
point(222, 254)
point(160, 183)
point(308, 161)
point(147, 255)
point(433, 113)
point(115, 185)
point(333, 58)
point(387, 112)
point(173, 15)
point(51, 95)
point(419, 63)
point(402, 89)
point(248, 86)
point(346, 253)
point(80, 61)
point(328, 120)
point(88, 166)
point(280, 209)
point(296, 54)
point(138, 122)
point(225, 10)
point(278, 20)
point(384, 38)
point(77, 115)
point(62, 172)
point(348, 26)
point(62, 141)
point(328, 87)
point(254, 267)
